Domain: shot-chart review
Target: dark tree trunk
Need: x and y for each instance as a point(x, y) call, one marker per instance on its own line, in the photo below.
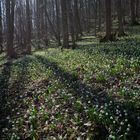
point(78, 28)
point(137, 9)
point(58, 22)
point(65, 24)
point(108, 36)
point(133, 13)
point(71, 23)
point(120, 18)
point(28, 27)
point(1, 35)
point(108, 19)
point(99, 29)
point(10, 4)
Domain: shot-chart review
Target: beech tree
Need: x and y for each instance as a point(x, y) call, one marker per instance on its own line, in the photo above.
point(120, 18)
point(1, 35)
point(28, 35)
point(65, 24)
point(27, 24)
point(10, 7)
point(108, 36)
point(133, 12)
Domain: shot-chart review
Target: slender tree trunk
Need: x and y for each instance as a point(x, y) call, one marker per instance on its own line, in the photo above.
point(108, 19)
point(78, 28)
point(71, 23)
point(46, 40)
point(137, 9)
point(10, 4)
point(28, 16)
point(58, 22)
point(65, 24)
point(99, 28)
point(120, 18)
point(133, 13)
point(1, 35)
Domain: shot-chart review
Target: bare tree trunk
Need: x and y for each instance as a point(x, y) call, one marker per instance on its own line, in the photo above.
point(99, 28)
point(28, 16)
point(71, 23)
point(120, 18)
point(108, 36)
point(108, 19)
point(78, 28)
point(58, 22)
point(1, 36)
point(133, 13)
point(10, 4)
point(137, 9)
point(65, 24)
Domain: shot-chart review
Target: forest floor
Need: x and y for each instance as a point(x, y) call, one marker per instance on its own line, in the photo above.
point(90, 93)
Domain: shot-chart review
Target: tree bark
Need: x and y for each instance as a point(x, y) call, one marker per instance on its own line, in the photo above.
point(10, 5)
point(137, 9)
point(133, 13)
point(71, 23)
point(58, 22)
point(120, 18)
point(65, 24)
point(78, 28)
point(1, 35)
point(28, 16)
point(99, 28)
point(108, 19)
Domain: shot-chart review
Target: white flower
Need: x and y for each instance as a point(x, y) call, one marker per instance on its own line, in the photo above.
point(102, 107)
point(111, 136)
point(89, 102)
point(122, 123)
point(125, 114)
point(129, 125)
point(126, 120)
point(97, 106)
point(111, 118)
point(124, 111)
point(110, 102)
point(120, 115)
point(8, 117)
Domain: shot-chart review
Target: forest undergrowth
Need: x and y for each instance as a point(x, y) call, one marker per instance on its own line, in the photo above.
point(90, 93)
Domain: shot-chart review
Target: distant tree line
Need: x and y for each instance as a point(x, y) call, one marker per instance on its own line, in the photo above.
point(23, 22)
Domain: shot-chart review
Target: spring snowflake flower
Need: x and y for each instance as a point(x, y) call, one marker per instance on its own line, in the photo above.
point(111, 118)
point(126, 120)
point(106, 114)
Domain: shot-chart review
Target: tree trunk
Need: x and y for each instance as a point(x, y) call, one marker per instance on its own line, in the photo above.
point(133, 13)
point(108, 19)
point(78, 28)
point(28, 16)
point(65, 24)
point(120, 18)
point(10, 4)
point(99, 28)
point(58, 22)
point(1, 36)
point(71, 23)
point(137, 9)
